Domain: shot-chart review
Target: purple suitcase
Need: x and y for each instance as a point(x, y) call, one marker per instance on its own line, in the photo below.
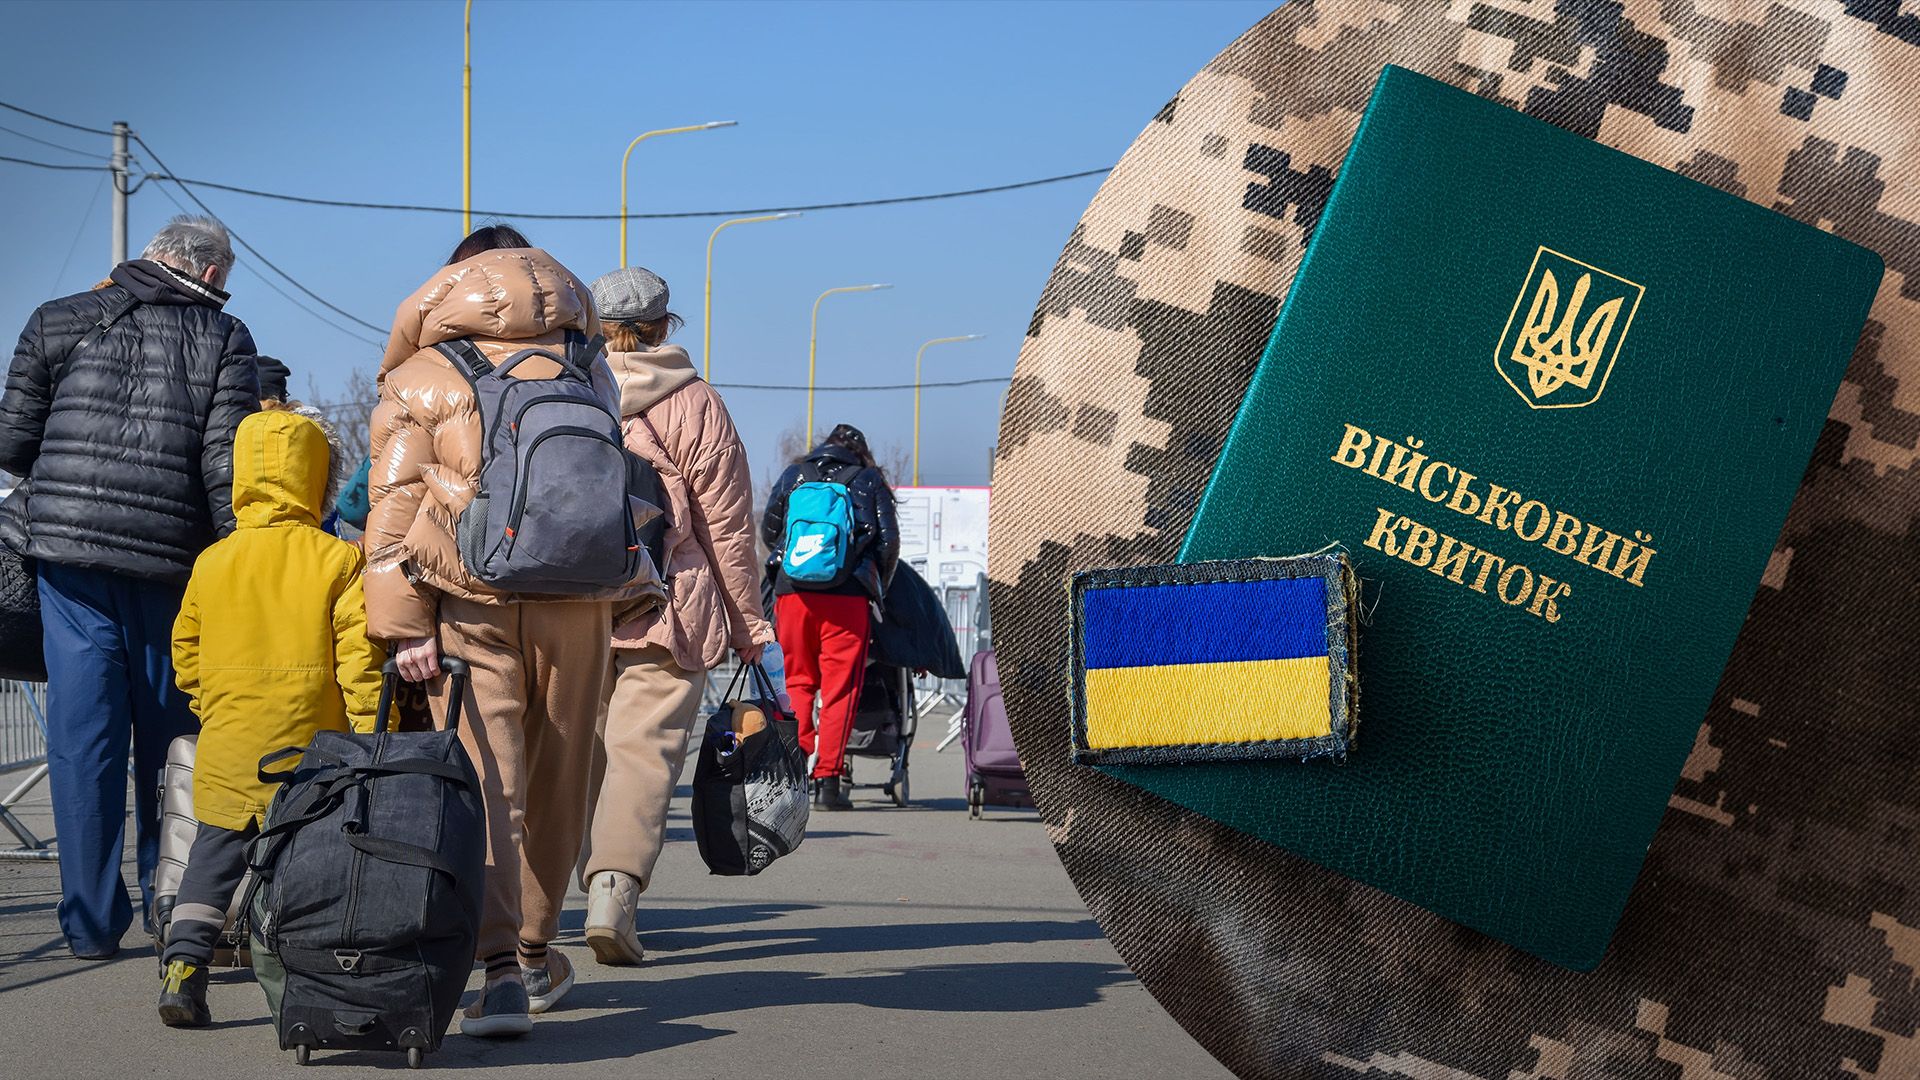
point(994, 777)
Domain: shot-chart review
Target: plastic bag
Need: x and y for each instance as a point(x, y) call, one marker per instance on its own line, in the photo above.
point(750, 782)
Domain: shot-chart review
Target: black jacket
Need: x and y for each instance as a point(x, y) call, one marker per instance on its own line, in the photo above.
point(875, 547)
point(128, 443)
point(916, 631)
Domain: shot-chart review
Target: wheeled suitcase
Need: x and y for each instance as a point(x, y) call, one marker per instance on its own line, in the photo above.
point(178, 827)
point(370, 865)
point(994, 777)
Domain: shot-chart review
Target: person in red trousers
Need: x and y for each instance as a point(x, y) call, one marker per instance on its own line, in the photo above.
point(822, 619)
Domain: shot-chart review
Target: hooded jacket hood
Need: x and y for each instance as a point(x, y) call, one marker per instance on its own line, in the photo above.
point(157, 283)
point(282, 468)
point(646, 376)
point(508, 294)
point(839, 455)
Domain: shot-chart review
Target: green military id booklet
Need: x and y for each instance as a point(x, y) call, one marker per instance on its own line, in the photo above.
point(1554, 401)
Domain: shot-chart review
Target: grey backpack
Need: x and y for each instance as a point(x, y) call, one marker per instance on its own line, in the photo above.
point(545, 517)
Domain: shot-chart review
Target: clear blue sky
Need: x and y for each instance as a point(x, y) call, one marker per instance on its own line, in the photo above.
point(836, 101)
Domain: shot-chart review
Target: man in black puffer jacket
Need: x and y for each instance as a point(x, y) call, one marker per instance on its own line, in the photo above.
point(824, 626)
point(120, 412)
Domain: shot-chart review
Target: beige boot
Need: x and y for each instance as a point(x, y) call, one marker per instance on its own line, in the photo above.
point(611, 899)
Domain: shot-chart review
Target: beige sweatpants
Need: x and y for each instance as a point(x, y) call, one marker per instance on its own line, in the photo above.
point(645, 725)
point(528, 723)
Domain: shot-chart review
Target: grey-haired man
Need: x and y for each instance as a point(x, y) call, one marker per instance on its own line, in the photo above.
point(120, 410)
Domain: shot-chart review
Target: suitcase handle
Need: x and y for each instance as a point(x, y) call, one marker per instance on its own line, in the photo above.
point(452, 666)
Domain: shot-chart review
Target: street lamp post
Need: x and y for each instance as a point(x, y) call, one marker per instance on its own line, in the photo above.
point(637, 140)
point(466, 128)
point(813, 342)
point(917, 357)
point(706, 346)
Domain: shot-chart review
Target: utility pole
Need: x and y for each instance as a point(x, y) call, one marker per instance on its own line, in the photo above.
point(119, 192)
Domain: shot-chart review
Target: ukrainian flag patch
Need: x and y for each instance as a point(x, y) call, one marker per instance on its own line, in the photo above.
point(1214, 661)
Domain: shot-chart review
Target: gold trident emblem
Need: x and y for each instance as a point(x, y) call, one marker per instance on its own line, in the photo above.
point(1551, 353)
point(1560, 345)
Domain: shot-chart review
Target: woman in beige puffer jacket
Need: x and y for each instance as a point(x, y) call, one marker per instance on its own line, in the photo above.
point(676, 422)
point(538, 663)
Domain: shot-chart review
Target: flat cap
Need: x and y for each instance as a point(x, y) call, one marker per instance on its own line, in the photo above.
point(630, 294)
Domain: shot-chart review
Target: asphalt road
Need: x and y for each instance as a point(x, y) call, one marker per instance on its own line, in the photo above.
point(895, 943)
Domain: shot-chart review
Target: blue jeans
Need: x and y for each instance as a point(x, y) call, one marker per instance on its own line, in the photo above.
point(109, 643)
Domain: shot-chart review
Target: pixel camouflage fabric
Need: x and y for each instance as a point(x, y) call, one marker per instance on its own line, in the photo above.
point(1775, 932)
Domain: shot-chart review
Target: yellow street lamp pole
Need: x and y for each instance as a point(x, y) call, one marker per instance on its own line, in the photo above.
point(466, 129)
point(917, 357)
point(813, 343)
point(706, 346)
point(637, 140)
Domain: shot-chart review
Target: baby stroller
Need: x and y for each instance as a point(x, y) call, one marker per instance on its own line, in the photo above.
point(885, 724)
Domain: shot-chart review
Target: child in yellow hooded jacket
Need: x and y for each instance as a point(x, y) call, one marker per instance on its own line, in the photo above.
point(270, 646)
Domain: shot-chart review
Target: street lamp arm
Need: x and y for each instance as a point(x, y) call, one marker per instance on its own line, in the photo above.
point(917, 358)
point(813, 342)
point(637, 140)
point(706, 325)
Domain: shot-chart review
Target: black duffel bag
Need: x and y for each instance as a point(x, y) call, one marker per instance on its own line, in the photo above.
point(368, 874)
point(750, 782)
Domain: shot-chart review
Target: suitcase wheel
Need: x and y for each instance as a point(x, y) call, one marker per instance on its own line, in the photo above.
point(415, 1057)
point(976, 799)
point(302, 1054)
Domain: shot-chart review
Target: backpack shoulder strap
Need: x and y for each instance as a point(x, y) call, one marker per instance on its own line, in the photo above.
point(111, 312)
point(654, 434)
point(467, 358)
point(842, 473)
point(581, 349)
point(810, 473)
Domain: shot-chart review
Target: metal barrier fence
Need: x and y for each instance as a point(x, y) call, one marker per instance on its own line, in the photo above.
point(23, 745)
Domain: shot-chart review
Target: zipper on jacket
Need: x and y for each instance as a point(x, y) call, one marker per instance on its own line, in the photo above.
point(526, 461)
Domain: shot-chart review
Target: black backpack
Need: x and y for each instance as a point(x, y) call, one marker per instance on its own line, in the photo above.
point(365, 907)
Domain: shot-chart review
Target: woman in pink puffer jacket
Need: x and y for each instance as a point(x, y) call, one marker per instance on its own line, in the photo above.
point(674, 420)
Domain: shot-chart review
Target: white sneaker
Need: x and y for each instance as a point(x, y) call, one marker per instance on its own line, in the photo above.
point(612, 898)
point(543, 992)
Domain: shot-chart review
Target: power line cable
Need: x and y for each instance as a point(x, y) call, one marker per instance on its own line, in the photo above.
point(347, 406)
point(167, 174)
point(62, 168)
point(255, 252)
point(85, 219)
point(530, 216)
point(51, 120)
point(269, 283)
point(55, 145)
point(802, 387)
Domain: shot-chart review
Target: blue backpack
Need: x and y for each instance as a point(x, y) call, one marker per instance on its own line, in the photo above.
point(819, 533)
